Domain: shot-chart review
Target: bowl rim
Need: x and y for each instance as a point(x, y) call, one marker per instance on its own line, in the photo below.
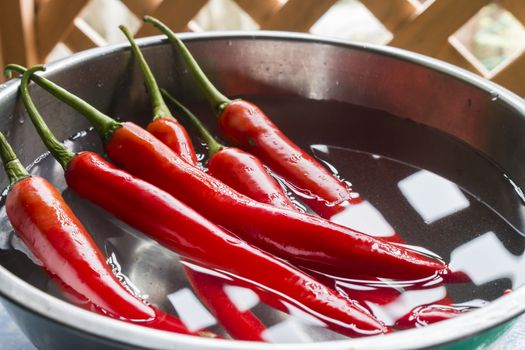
point(473, 323)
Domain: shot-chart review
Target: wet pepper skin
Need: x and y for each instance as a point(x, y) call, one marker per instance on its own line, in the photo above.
point(56, 237)
point(247, 175)
point(302, 239)
point(181, 229)
point(244, 124)
point(240, 170)
point(174, 135)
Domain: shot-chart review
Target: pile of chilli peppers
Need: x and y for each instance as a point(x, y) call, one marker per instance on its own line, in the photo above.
point(228, 214)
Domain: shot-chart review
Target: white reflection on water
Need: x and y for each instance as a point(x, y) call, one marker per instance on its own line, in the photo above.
point(190, 310)
point(5, 230)
point(302, 317)
point(364, 217)
point(402, 305)
point(432, 196)
point(243, 298)
point(9, 239)
point(287, 331)
point(485, 259)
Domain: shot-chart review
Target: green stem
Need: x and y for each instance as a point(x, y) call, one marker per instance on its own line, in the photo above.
point(14, 169)
point(103, 124)
point(213, 145)
point(8, 74)
point(217, 100)
point(10, 68)
point(57, 149)
point(159, 106)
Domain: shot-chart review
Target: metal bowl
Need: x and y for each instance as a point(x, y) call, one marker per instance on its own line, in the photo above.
point(483, 115)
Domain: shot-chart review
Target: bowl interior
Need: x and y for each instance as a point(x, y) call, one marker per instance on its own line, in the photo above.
point(344, 103)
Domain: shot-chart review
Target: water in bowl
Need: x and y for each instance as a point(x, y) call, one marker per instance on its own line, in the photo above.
point(417, 184)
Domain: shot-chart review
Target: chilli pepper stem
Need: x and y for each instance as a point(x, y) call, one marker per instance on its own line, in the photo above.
point(14, 169)
point(214, 96)
point(104, 125)
point(159, 106)
point(213, 145)
point(57, 149)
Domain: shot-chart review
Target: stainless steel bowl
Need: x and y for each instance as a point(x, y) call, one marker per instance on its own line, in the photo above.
point(487, 117)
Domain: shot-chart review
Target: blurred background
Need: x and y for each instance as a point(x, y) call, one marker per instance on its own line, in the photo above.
point(483, 36)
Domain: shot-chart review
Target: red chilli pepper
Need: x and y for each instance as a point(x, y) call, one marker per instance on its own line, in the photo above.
point(243, 326)
point(163, 126)
point(181, 229)
point(428, 314)
point(240, 170)
point(247, 126)
point(424, 315)
point(58, 239)
point(329, 247)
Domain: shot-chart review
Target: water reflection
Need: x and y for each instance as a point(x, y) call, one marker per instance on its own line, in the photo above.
point(303, 317)
point(485, 259)
point(190, 310)
point(116, 268)
point(364, 217)
point(5, 229)
point(244, 299)
point(385, 184)
point(393, 311)
point(432, 196)
point(287, 331)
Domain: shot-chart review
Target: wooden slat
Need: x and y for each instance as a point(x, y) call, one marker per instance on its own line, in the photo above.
point(454, 52)
point(175, 13)
point(142, 7)
point(1, 60)
point(428, 32)
point(260, 11)
point(392, 13)
point(298, 15)
point(82, 37)
point(516, 7)
point(18, 31)
point(512, 75)
point(2, 79)
point(54, 21)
